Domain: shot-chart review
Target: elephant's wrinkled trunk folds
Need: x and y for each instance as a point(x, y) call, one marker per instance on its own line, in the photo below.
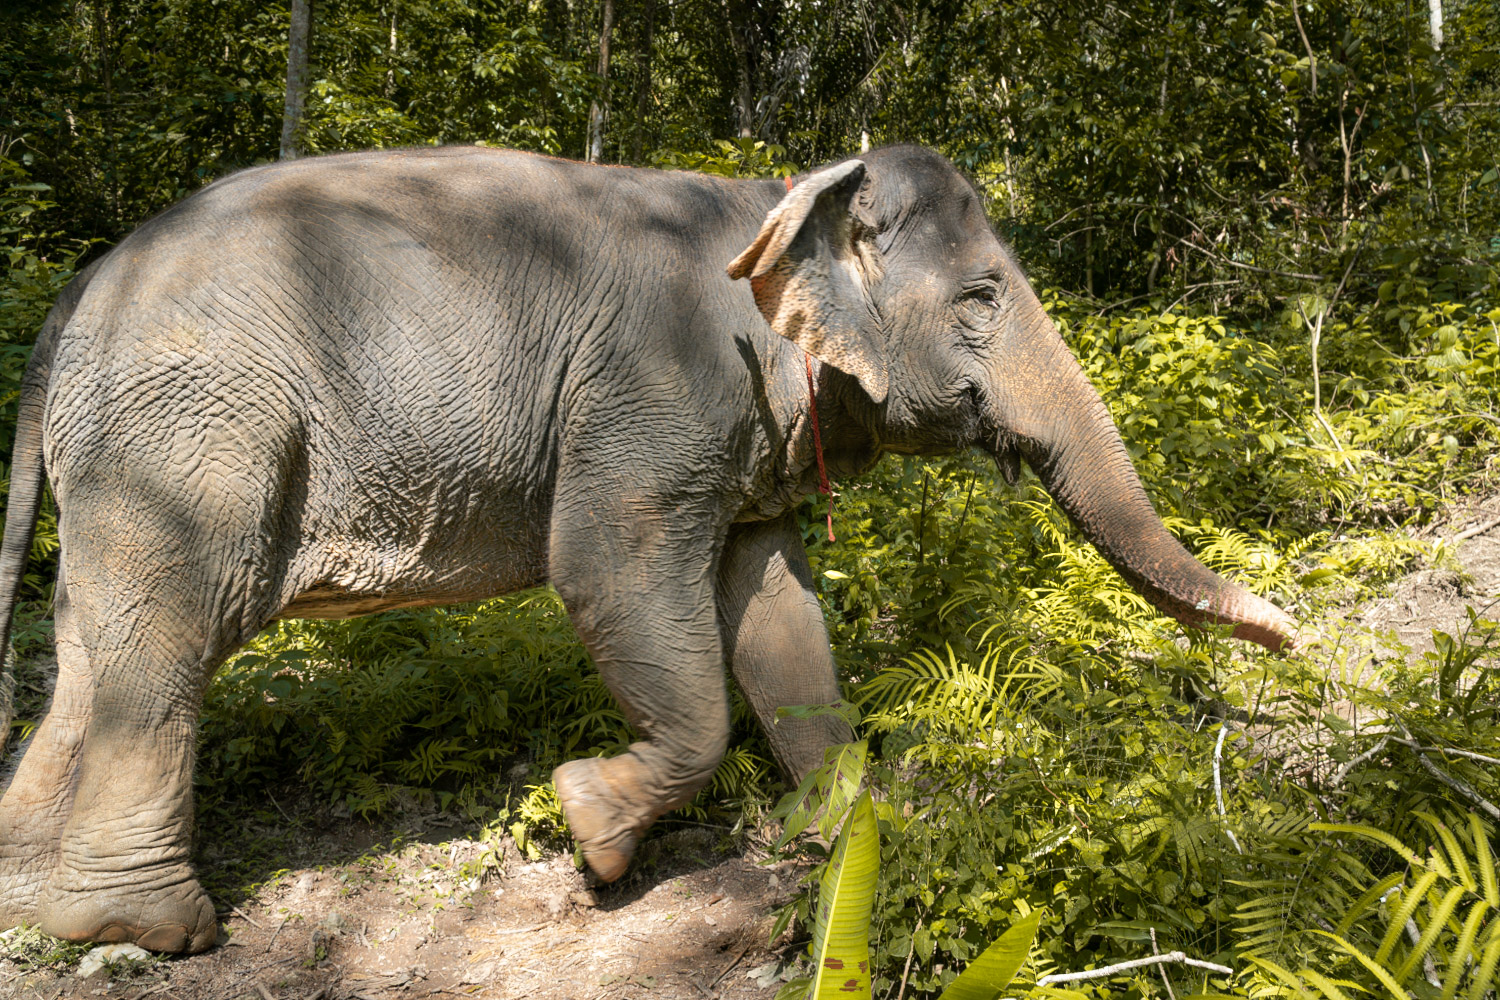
point(1048, 411)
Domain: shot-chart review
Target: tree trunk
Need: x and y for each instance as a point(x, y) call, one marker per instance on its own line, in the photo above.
point(299, 41)
point(1435, 20)
point(739, 37)
point(599, 108)
point(643, 83)
point(390, 70)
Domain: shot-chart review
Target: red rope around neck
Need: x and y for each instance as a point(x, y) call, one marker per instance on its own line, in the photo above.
point(812, 398)
point(823, 486)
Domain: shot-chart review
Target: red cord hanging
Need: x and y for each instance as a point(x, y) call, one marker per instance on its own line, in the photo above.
point(823, 486)
point(812, 398)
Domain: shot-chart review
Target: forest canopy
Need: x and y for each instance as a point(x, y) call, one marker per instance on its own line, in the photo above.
point(1270, 231)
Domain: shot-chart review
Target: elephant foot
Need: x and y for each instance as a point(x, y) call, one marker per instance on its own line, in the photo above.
point(21, 881)
point(602, 800)
point(29, 840)
point(174, 916)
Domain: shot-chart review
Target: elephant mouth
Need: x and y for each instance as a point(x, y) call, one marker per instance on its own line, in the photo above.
point(1007, 458)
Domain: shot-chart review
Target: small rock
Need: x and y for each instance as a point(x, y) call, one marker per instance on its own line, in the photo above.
point(585, 899)
point(710, 921)
point(482, 972)
point(101, 958)
point(765, 975)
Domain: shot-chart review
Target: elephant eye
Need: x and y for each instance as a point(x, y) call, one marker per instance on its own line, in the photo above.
point(980, 305)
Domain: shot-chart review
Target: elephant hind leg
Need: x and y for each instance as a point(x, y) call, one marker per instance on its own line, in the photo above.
point(162, 590)
point(37, 803)
point(123, 871)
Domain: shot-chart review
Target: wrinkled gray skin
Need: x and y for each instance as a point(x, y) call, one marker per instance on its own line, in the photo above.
point(392, 379)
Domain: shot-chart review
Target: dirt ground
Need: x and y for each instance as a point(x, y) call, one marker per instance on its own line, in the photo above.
point(390, 914)
point(402, 922)
point(1437, 598)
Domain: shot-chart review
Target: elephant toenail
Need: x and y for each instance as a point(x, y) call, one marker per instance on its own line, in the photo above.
point(110, 934)
point(165, 937)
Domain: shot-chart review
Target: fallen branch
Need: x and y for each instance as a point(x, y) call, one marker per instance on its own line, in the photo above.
point(1457, 784)
point(1458, 753)
point(1218, 794)
point(1478, 529)
point(1135, 963)
point(1338, 776)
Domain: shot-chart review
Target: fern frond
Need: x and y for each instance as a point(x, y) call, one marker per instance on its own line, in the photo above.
point(1367, 901)
point(1484, 976)
point(1485, 856)
point(1436, 924)
point(1375, 966)
point(1410, 900)
point(1457, 860)
point(1464, 947)
point(1371, 833)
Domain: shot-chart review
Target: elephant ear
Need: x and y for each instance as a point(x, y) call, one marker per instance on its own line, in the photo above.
point(810, 270)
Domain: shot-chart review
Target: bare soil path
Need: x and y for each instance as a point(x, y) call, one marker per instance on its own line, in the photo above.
point(404, 921)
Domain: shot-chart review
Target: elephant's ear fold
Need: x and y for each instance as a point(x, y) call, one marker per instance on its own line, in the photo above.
point(810, 271)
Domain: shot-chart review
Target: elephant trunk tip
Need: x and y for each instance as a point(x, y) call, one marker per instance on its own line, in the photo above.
point(1276, 639)
point(1259, 621)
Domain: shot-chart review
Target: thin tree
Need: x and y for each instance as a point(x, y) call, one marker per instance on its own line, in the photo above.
point(643, 81)
point(598, 107)
point(299, 38)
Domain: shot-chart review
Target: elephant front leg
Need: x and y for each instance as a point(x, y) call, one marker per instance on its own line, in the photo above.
point(641, 597)
point(776, 641)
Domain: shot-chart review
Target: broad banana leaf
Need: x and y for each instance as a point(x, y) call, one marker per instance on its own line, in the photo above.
point(992, 971)
point(841, 927)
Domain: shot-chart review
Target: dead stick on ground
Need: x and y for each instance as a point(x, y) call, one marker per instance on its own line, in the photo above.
point(729, 966)
point(248, 919)
point(1478, 529)
point(277, 934)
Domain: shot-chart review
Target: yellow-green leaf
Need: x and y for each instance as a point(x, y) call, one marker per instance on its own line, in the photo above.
point(992, 971)
point(841, 926)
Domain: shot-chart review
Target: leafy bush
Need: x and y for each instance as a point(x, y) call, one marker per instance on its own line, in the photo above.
point(458, 706)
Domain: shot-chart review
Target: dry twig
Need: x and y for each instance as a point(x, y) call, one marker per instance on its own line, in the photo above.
point(1135, 963)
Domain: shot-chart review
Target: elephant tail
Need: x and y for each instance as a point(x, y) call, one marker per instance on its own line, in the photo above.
point(28, 481)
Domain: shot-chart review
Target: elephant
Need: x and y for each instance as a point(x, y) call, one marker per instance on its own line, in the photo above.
point(336, 385)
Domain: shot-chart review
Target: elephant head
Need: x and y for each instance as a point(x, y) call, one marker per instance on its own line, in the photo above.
point(886, 268)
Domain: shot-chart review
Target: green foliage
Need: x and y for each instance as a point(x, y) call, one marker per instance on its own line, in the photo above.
point(438, 704)
point(33, 950)
point(1207, 185)
point(840, 947)
point(1220, 424)
point(1431, 928)
point(732, 158)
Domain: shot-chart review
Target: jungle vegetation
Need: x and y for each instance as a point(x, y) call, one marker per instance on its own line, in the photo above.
point(1271, 232)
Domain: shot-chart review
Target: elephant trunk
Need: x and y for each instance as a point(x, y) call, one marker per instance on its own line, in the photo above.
point(1046, 409)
